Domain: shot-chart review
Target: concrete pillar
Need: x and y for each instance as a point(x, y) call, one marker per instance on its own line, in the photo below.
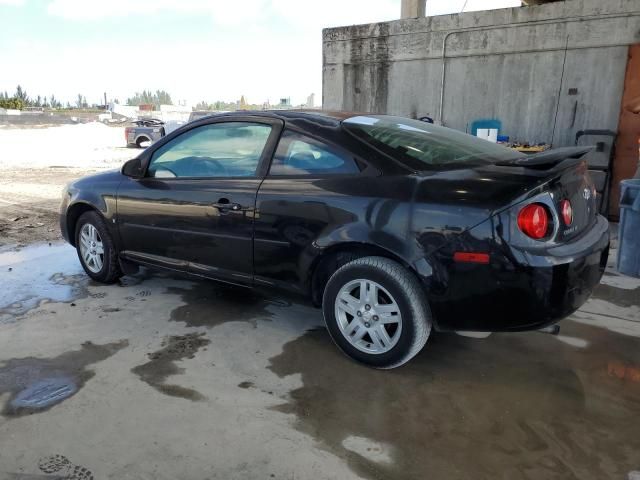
point(413, 8)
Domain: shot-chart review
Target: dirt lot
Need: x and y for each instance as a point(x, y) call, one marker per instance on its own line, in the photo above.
point(29, 201)
point(162, 377)
point(36, 163)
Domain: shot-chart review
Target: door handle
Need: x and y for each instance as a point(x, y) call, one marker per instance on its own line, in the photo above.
point(224, 204)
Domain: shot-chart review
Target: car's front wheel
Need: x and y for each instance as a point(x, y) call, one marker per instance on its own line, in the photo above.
point(96, 249)
point(377, 312)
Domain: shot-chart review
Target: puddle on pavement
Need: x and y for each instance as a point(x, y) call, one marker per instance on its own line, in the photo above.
point(141, 276)
point(208, 304)
point(37, 384)
point(162, 364)
point(509, 406)
point(39, 272)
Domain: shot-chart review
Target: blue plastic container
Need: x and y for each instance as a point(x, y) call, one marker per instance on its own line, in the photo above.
point(489, 123)
point(629, 231)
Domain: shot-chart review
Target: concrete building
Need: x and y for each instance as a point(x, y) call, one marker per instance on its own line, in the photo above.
point(545, 72)
point(311, 101)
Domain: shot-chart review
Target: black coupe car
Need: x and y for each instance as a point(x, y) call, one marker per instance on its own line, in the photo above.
point(394, 226)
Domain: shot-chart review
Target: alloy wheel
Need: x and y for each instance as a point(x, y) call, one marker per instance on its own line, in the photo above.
point(368, 316)
point(91, 248)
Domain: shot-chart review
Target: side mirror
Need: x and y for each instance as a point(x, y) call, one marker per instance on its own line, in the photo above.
point(133, 168)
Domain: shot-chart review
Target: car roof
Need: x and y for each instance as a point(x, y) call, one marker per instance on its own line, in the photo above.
point(331, 114)
point(323, 117)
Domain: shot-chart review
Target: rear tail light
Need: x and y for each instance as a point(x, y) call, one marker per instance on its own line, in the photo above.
point(471, 257)
point(533, 221)
point(566, 211)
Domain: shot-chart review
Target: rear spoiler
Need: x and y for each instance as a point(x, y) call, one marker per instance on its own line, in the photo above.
point(548, 158)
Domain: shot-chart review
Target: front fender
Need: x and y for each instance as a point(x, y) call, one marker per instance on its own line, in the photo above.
point(97, 193)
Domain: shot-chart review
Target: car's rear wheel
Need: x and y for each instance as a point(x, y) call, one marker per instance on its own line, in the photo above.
point(377, 312)
point(142, 142)
point(96, 249)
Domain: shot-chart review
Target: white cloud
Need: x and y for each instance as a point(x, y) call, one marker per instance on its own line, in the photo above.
point(228, 13)
point(299, 12)
point(12, 3)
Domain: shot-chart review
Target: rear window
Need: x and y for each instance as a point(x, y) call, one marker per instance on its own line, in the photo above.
point(298, 154)
point(423, 146)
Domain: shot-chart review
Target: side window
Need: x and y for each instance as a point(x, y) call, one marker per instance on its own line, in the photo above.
point(231, 149)
point(301, 155)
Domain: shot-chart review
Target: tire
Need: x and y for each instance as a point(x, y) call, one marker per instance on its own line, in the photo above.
point(103, 268)
point(397, 303)
point(140, 140)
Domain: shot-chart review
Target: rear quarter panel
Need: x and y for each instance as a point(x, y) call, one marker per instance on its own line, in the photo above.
point(300, 219)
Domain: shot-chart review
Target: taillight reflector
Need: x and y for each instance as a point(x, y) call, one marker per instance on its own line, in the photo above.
point(533, 221)
point(566, 211)
point(471, 257)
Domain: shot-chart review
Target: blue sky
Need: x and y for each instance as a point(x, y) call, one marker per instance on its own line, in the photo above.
point(195, 49)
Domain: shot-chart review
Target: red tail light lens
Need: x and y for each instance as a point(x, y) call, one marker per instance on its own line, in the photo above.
point(471, 257)
point(566, 210)
point(533, 220)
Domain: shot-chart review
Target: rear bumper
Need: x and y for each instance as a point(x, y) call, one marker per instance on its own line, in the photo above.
point(523, 291)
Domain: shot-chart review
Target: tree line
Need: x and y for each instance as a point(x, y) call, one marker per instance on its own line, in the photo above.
point(147, 97)
point(242, 104)
point(21, 100)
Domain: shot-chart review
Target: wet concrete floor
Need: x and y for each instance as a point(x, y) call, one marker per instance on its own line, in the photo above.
point(164, 377)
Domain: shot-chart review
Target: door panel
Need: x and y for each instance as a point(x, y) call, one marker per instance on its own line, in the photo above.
point(194, 209)
point(174, 223)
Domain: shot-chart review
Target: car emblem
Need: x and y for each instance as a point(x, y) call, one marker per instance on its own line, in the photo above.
point(586, 194)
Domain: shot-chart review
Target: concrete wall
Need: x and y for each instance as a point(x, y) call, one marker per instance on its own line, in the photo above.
point(26, 120)
point(516, 65)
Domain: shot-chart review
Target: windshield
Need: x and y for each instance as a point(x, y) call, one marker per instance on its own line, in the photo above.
point(424, 146)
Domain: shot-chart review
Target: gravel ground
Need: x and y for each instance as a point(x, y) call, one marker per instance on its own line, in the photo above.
point(89, 145)
point(36, 163)
point(29, 201)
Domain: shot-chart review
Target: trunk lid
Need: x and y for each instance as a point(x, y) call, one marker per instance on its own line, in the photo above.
point(486, 190)
point(569, 181)
point(575, 185)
